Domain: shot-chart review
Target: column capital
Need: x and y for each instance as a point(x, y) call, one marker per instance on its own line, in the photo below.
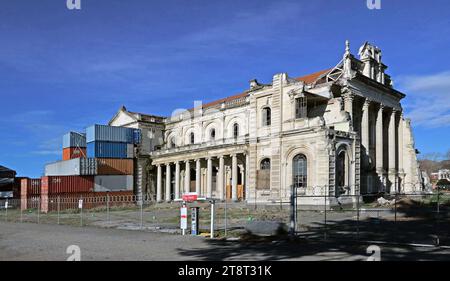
point(367, 102)
point(382, 106)
point(347, 92)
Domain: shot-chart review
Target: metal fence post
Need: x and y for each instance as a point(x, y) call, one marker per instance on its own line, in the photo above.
point(59, 206)
point(21, 211)
point(81, 210)
point(325, 215)
point(107, 208)
point(141, 203)
point(39, 209)
point(357, 216)
point(395, 209)
point(226, 222)
point(437, 218)
point(212, 219)
point(6, 210)
point(292, 219)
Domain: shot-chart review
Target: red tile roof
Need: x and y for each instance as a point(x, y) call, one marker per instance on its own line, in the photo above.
point(308, 79)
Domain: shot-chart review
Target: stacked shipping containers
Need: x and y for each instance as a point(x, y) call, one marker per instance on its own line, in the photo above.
point(30, 190)
point(114, 149)
point(107, 165)
point(74, 145)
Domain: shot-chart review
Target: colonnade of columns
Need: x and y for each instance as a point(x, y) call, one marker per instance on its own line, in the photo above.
point(385, 161)
point(179, 182)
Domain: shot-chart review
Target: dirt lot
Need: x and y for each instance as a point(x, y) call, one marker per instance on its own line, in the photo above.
point(49, 242)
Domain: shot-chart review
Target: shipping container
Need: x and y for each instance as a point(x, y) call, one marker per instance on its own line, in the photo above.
point(113, 183)
point(66, 184)
point(101, 149)
point(30, 187)
point(73, 152)
point(110, 166)
point(96, 133)
point(74, 167)
point(74, 139)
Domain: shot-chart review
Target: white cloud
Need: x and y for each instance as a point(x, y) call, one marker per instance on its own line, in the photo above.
point(427, 99)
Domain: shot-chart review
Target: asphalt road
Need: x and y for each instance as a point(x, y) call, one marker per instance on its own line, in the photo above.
point(29, 241)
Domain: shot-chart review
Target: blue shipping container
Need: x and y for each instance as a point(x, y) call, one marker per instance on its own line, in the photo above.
point(101, 149)
point(111, 134)
point(74, 139)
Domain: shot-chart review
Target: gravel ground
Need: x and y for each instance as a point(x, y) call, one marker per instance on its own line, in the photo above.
point(49, 242)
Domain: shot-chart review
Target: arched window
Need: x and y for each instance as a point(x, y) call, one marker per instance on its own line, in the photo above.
point(235, 130)
point(265, 164)
point(212, 134)
point(192, 138)
point(266, 116)
point(263, 175)
point(299, 171)
point(172, 143)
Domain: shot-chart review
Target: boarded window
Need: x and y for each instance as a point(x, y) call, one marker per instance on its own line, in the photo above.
point(263, 175)
point(300, 107)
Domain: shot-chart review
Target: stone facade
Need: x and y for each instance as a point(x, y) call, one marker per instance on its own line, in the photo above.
point(334, 132)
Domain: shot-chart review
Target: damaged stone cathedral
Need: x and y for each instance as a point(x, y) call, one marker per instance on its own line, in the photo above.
point(336, 132)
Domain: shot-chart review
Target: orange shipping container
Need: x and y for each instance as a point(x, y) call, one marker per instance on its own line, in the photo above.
point(109, 166)
point(73, 152)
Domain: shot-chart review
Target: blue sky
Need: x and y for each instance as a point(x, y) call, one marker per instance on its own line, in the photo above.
point(63, 70)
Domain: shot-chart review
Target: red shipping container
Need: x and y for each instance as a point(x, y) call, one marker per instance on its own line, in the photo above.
point(73, 152)
point(30, 187)
point(67, 184)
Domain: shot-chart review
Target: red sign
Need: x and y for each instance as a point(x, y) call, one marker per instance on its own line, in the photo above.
point(190, 196)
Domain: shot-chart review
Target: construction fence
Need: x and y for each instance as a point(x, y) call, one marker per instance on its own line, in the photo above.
point(412, 218)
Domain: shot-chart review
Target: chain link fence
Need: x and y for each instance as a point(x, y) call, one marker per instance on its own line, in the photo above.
point(397, 218)
point(413, 218)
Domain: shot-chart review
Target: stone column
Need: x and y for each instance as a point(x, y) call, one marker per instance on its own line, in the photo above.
point(234, 177)
point(177, 180)
point(365, 127)
point(197, 176)
point(221, 178)
point(348, 103)
point(379, 144)
point(401, 171)
point(187, 177)
point(168, 183)
point(247, 170)
point(158, 184)
point(392, 152)
point(209, 178)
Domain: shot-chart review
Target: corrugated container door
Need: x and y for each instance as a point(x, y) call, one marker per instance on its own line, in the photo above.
point(74, 139)
point(108, 166)
point(113, 183)
point(88, 167)
point(100, 149)
point(109, 133)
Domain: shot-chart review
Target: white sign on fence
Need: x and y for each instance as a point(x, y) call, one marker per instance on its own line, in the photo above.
point(183, 220)
point(80, 204)
point(6, 205)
